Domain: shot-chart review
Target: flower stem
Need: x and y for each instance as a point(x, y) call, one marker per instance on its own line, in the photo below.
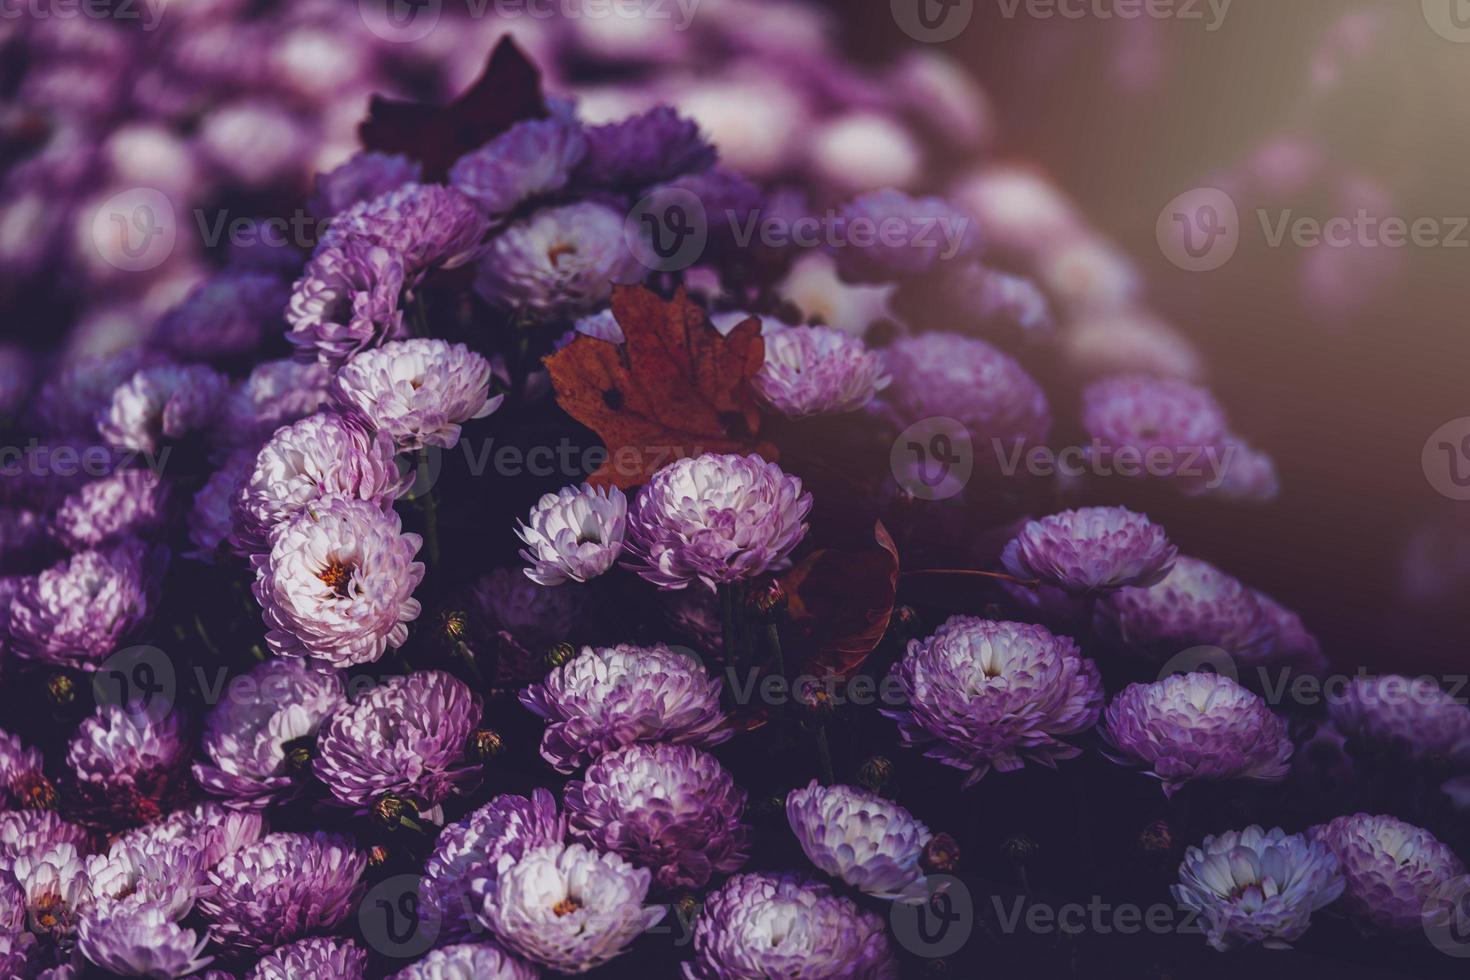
point(778, 664)
point(824, 756)
point(430, 506)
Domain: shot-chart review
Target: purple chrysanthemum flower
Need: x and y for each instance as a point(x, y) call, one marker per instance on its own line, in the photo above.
point(35, 831)
point(22, 532)
point(161, 403)
point(23, 780)
point(212, 517)
point(277, 393)
point(417, 391)
point(669, 808)
point(461, 872)
point(483, 961)
point(326, 957)
point(77, 612)
point(507, 607)
point(560, 259)
point(786, 925)
point(716, 519)
point(642, 150)
point(1255, 886)
point(601, 326)
point(142, 942)
point(17, 378)
point(1413, 714)
point(1092, 550)
point(995, 695)
point(348, 299)
point(608, 697)
point(1247, 474)
point(569, 908)
point(532, 158)
point(939, 374)
point(15, 940)
point(139, 869)
point(730, 203)
point(247, 735)
point(363, 177)
point(337, 585)
point(128, 767)
point(210, 829)
point(575, 534)
point(54, 884)
point(1195, 605)
point(407, 736)
point(869, 842)
point(129, 502)
point(430, 225)
point(224, 316)
point(1009, 309)
point(1167, 424)
point(280, 889)
point(69, 401)
point(321, 455)
point(1393, 869)
point(1292, 644)
point(818, 371)
point(888, 235)
point(1197, 726)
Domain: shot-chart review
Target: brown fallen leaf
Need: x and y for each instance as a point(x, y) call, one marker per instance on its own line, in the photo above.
point(840, 601)
point(673, 388)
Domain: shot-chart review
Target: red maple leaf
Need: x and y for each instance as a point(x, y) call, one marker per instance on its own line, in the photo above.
point(674, 388)
point(507, 92)
point(840, 601)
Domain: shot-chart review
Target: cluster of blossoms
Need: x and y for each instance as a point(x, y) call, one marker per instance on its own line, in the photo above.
point(292, 649)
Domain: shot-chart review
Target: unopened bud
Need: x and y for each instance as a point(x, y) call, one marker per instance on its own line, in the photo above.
point(560, 654)
point(941, 854)
point(875, 772)
point(62, 690)
point(485, 744)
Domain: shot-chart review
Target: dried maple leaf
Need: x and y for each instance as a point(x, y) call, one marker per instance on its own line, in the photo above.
point(840, 601)
point(673, 388)
point(507, 92)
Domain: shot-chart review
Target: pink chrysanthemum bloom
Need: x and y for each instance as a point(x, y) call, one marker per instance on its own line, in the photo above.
point(226, 315)
point(139, 869)
point(34, 831)
point(995, 695)
point(281, 888)
point(319, 456)
point(430, 225)
point(23, 781)
point(159, 404)
point(212, 516)
point(129, 767)
point(669, 808)
point(129, 502)
point(787, 925)
point(574, 534)
point(349, 299)
point(1092, 550)
point(248, 734)
point(570, 908)
point(142, 941)
point(1407, 713)
point(560, 259)
point(337, 586)
point(482, 961)
point(407, 736)
point(363, 177)
point(608, 697)
point(277, 393)
point(818, 371)
point(54, 885)
point(1171, 423)
point(77, 612)
point(1254, 886)
point(1197, 726)
point(460, 875)
point(326, 957)
point(208, 828)
point(531, 158)
point(1393, 869)
point(716, 519)
point(1195, 605)
point(417, 391)
point(869, 842)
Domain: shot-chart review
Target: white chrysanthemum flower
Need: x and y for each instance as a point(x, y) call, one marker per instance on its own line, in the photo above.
point(871, 843)
point(560, 258)
point(575, 534)
point(570, 908)
point(417, 391)
point(142, 941)
point(469, 961)
point(54, 883)
point(818, 371)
